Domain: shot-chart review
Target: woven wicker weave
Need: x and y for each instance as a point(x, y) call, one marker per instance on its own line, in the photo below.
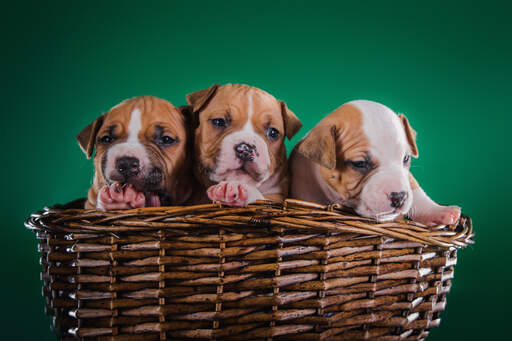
point(270, 271)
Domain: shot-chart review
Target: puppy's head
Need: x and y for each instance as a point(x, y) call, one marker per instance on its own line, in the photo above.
point(142, 142)
point(364, 150)
point(240, 133)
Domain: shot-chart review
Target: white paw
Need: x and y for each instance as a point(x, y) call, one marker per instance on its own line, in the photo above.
point(233, 194)
point(440, 215)
point(117, 197)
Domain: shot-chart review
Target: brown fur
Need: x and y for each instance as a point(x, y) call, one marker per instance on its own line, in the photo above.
point(339, 137)
point(230, 102)
point(175, 160)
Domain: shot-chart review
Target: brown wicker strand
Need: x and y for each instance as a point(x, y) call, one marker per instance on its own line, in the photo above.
point(269, 271)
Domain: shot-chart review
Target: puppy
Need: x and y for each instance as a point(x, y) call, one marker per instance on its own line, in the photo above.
point(359, 156)
point(239, 143)
point(142, 156)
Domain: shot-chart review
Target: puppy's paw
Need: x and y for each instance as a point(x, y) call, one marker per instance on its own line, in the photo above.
point(447, 215)
point(233, 194)
point(117, 197)
point(440, 215)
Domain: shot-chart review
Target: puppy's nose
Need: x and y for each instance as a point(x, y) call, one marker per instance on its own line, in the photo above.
point(397, 199)
point(128, 166)
point(245, 152)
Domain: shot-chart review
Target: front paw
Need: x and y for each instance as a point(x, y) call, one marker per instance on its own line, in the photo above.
point(233, 194)
point(117, 197)
point(440, 215)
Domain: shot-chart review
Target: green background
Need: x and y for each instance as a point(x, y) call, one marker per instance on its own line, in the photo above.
point(446, 65)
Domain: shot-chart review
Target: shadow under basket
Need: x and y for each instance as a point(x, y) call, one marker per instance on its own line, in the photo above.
point(270, 271)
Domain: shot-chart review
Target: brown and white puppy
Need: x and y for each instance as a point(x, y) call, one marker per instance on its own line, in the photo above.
point(239, 143)
point(142, 155)
point(359, 156)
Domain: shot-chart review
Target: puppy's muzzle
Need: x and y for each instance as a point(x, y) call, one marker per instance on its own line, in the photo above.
point(397, 199)
point(245, 152)
point(129, 170)
point(154, 177)
point(128, 166)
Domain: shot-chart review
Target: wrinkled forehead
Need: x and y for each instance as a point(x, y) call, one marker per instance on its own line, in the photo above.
point(243, 99)
point(149, 111)
point(385, 134)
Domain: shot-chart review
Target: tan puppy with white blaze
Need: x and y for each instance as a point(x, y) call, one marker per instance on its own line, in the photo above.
point(239, 143)
point(359, 156)
point(142, 156)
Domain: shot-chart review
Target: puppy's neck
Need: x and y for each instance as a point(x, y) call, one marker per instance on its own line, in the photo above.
point(184, 189)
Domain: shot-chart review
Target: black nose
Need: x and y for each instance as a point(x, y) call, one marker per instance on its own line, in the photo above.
point(245, 152)
point(397, 199)
point(128, 166)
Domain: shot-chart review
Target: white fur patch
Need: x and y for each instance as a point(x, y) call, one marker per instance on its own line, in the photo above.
point(134, 127)
point(131, 147)
point(228, 163)
point(248, 127)
point(384, 131)
point(99, 203)
point(250, 109)
point(388, 147)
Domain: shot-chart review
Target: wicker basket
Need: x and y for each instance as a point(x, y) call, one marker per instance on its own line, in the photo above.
point(270, 271)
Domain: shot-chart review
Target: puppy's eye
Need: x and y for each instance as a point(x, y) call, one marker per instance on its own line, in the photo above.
point(272, 133)
point(359, 164)
point(363, 166)
point(406, 159)
point(166, 140)
point(219, 122)
point(106, 139)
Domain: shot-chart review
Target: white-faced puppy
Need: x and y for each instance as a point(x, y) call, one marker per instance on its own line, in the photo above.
point(239, 143)
point(359, 156)
point(142, 155)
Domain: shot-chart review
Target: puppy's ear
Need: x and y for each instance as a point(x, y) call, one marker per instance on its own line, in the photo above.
point(199, 100)
point(87, 137)
point(291, 122)
point(319, 145)
point(410, 134)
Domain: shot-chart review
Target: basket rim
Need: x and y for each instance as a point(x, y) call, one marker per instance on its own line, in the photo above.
point(290, 214)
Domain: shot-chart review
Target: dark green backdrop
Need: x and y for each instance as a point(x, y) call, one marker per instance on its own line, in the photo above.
point(446, 65)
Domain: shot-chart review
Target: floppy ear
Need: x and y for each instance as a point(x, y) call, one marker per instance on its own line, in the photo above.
point(319, 145)
point(291, 122)
point(198, 101)
point(410, 134)
point(87, 137)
